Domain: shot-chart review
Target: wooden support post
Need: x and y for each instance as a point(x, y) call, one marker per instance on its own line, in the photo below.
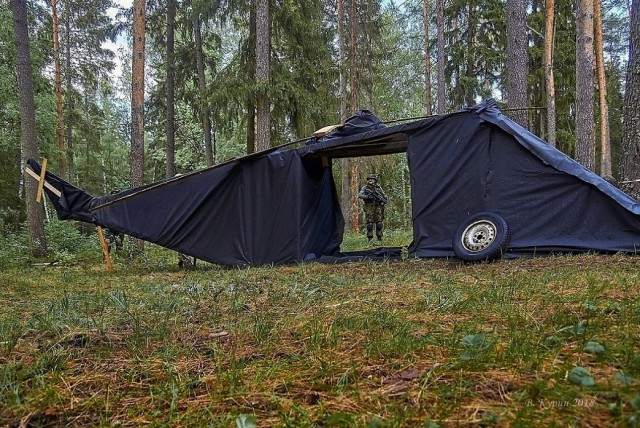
point(325, 161)
point(105, 250)
point(41, 180)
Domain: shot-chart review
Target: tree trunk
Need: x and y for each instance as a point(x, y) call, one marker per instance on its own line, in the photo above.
point(549, 38)
point(470, 73)
point(29, 147)
point(251, 71)
point(69, 94)
point(171, 109)
point(342, 83)
point(137, 102)
point(605, 141)
point(441, 58)
point(209, 149)
point(630, 156)
point(353, 63)
point(251, 127)
point(517, 59)
point(262, 75)
point(353, 222)
point(62, 150)
point(585, 131)
point(345, 189)
point(427, 58)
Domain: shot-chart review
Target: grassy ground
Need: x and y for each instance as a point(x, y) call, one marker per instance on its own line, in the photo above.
point(536, 342)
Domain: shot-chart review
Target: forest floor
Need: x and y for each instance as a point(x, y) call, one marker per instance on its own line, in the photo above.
point(528, 342)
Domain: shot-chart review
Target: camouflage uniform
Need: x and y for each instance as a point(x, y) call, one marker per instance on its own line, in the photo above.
point(114, 238)
point(184, 261)
point(373, 207)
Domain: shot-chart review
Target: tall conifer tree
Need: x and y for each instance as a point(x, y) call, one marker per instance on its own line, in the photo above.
point(35, 214)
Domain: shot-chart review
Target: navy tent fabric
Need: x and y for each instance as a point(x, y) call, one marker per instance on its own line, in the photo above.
point(281, 206)
point(471, 164)
point(277, 208)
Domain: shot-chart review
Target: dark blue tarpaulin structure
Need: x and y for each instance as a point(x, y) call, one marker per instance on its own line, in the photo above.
point(281, 205)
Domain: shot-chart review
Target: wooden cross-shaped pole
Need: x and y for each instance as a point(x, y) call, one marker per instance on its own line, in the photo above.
point(41, 180)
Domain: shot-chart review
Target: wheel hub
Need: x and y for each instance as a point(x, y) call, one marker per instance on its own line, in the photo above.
point(479, 235)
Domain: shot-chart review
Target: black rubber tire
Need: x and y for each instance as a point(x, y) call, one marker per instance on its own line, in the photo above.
point(484, 236)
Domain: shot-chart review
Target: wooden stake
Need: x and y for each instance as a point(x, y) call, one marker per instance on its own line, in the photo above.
point(105, 250)
point(41, 180)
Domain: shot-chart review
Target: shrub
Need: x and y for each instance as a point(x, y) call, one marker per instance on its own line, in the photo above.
point(64, 242)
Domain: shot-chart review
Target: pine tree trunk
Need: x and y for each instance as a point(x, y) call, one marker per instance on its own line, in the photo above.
point(342, 83)
point(263, 131)
point(137, 102)
point(69, 95)
point(353, 222)
point(29, 147)
point(209, 149)
point(441, 57)
point(353, 57)
point(585, 130)
point(62, 150)
point(605, 141)
point(549, 38)
point(517, 59)
point(251, 127)
point(630, 156)
point(171, 111)
point(427, 58)
point(251, 75)
point(470, 73)
point(345, 189)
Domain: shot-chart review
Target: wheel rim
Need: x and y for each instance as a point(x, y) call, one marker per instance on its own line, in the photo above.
point(478, 236)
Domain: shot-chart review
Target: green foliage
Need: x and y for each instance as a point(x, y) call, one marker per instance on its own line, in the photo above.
point(65, 241)
point(594, 348)
point(14, 248)
point(246, 421)
point(581, 376)
point(475, 346)
point(624, 379)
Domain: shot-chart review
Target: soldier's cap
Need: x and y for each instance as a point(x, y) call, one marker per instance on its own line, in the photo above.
point(372, 177)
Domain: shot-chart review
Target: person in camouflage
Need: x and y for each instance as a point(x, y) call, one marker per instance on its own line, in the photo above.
point(374, 202)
